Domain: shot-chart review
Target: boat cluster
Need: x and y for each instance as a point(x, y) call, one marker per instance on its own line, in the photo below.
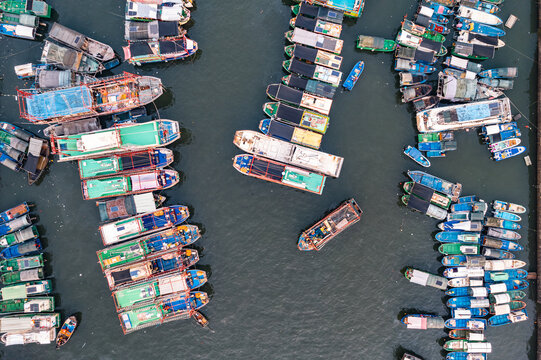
point(153, 29)
point(286, 152)
point(22, 18)
point(482, 277)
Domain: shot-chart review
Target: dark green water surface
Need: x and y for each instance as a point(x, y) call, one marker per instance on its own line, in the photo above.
point(269, 300)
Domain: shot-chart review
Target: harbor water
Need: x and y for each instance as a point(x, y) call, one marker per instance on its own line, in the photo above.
point(269, 300)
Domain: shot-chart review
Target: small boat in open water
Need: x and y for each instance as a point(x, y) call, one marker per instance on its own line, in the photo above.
point(66, 331)
point(353, 76)
point(341, 218)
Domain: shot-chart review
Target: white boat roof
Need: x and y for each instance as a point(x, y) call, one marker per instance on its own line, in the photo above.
point(419, 277)
point(173, 284)
point(144, 203)
point(498, 288)
point(112, 232)
point(25, 70)
point(25, 31)
point(478, 347)
point(144, 181)
point(39, 337)
point(99, 141)
point(416, 323)
point(426, 11)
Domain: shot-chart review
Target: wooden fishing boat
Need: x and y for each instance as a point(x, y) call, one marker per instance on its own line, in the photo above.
point(353, 76)
point(341, 218)
point(66, 58)
point(14, 212)
point(458, 236)
point(464, 334)
point(506, 215)
point(200, 319)
point(151, 291)
point(426, 102)
point(317, 26)
point(373, 43)
point(318, 57)
point(466, 313)
point(312, 71)
point(104, 96)
point(463, 24)
point(15, 224)
point(422, 321)
point(505, 319)
point(425, 279)
point(129, 184)
point(410, 357)
point(279, 92)
point(161, 50)
point(143, 247)
point(27, 305)
point(300, 117)
point(24, 290)
point(290, 133)
point(478, 16)
point(33, 7)
point(467, 346)
point(503, 145)
point(126, 206)
point(29, 322)
point(500, 244)
point(315, 87)
point(17, 250)
point(22, 276)
point(21, 263)
point(466, 324)
point(413, 67)
point(435, 183)
point(308, 38)
point(66, 331)
point(125, 163)
point(508, 206)
point(167, 11)
point(152, 30)
point(174, 307)
point(498, 73)
point(417, 156)
point(427, 194)
point(408, 79)
point(503, 234)
point(144, 224)
point(414, 92)
point(458, 249)
point(284, 152)
point(41, 337)
point(462, 64)
point(279, 173)
point(508, 153)
point(481, 5)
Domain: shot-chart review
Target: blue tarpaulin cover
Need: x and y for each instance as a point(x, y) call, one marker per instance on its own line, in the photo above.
point(52, 104)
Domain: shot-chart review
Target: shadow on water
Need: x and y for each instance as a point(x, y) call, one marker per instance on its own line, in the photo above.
point(165, 101)
point(185, 137)
point(202, 228)
point(207, 287)
point(400, 351)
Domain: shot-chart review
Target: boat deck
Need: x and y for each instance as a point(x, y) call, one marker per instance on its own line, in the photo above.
point(113, 186)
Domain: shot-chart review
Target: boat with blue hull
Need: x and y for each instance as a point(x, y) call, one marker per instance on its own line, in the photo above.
point(494, 243)
point(353, 76)
point(462, 260)
point(437, 145)
point(465, 291)
point(19, 236)
point(468, 199)
point(469, 312)
point(508, 206)
point(504, 275)
point(161, 219)
point(501, 136)
point(500, 73)
point(457, 355)
point(500, 223)
point(25, 248)
point(477, 28)
point(463, 272)
point(413, 67)
point(440, 9)
point(18, 31)
point(468, 302)
point(506, 319)
point(466, 324)
point(503, 233)
point(476, 206)
point(508, 285)
point(14, 212)
point(417, 156)
point(481, 5)
point(436, 183)
point(494, 129)
point(459, 225)
point(497, 254)
point(508, 153)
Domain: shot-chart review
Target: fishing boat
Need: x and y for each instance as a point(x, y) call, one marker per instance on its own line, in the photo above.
point(506, 297)
point(458, 249)
point(102, 97)
point(501, 136)
point(465, 334)
point(424, 207)
point(93, 48)
point(21, 263)
point(468, 199)
point(431, 21)
point(125, 163)
point(501, 223)
point(467, 346)
point(126, 206)
point(353, 76)
point(467, 313)
point(25, 248)
point(22, 276)
point(508, 206)
point(478, 16)
point(156, 289)
point(417, 156)
point(462, 24)
point(478, 291)
point(171, 308)
point(27, 305)
point(72, 127)
point(67, 58)
point(200, 319)
point(466, 215)
point(308, 38)
point(425, 279)
point(414, 92)
point(33, 7)
point(422, 321)
point(465, 281)
point(440, 9)
point(144, 224)
point(427, 194)
point(437, 136)
point(24, 290)
point(418, 30)
point(49, 79)
point(338, 220)
point(312, 71)
point(408, 79)
point(146, 246)
point(498, 84)
point(513, 305)
point(506, 215)
point(505, 275)
point(466, 324)
point(413, 67)
point(464, 116)
point(129, 184)
point(66, 331)
point(463, 260)
point(41, 337)
point(20, 19)
point(352, 8)
point(462, 64)
point(18, 31)
point(279, 92)
point(307, 119)
point(504, 144)
point(436, 183)
point(306, 9)
point(152, 30)
point(29, 322)
point(458, 236)
point(373, 43)
point(426, 102)
point(131, 137)
point(281, 151)
point(499, 73)
point(318, 57)
point(497, 254)
point(507, 285)
point(503, 233)
point(504, 265)
point(279, 173)
point(477, 39)
point(508, 153)
point(472, 51)
point(317, 26)
point(505, 319)
point(481, 5)
point(461, 225)
point(15, 224)
point(315, 87)
point(160, 264)
point(416, 55)
point(461, 271)
point(491, 242)
point(166, 11)
point(14, 212)
point(161, 50)
point(475, 206)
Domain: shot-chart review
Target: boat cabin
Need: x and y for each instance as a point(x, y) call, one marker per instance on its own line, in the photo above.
point(318, 57)
point(152, 30)
point(318, 41)
point(319, 12)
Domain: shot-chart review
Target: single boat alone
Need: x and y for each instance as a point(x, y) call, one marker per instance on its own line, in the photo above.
point(353, 76)
point(66, 331)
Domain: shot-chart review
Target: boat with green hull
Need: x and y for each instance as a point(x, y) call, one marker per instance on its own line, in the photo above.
point(22, 276)
point(300, 117)
point(151, 291)
point(27, 305)
point(20, 236)
point(131, 137)
point(21, 263)
point(32, 7)
point(141, 248)
point(373, 43)
point(29, 322)
point(168, 309)
point(458, 249)
point(31, 288)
